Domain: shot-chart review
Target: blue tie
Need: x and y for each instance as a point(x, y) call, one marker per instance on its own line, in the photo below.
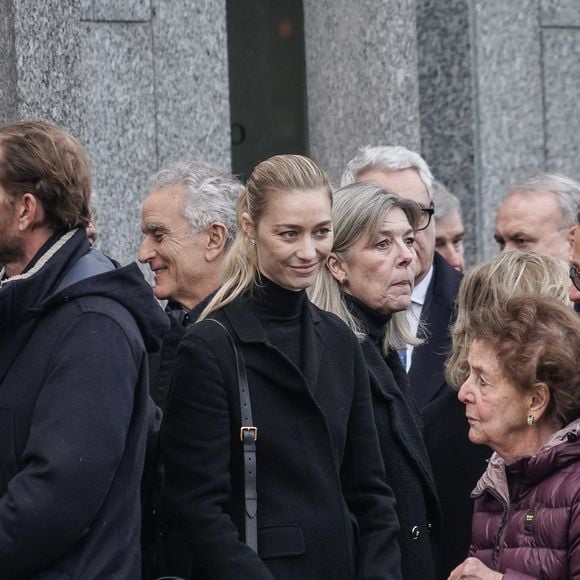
point(403, 357)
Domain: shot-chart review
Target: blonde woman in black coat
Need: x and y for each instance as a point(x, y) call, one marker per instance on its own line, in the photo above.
point(324, 510)
point(368, 283)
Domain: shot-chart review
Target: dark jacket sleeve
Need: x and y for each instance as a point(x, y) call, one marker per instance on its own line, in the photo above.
point(368, 496)
point(76, 442)
point(196, 440)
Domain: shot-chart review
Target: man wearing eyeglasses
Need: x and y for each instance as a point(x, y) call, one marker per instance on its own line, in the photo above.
point(575, 265)
point(406, 173)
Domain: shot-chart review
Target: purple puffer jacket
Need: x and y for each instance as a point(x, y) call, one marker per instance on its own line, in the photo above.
point(526, 519)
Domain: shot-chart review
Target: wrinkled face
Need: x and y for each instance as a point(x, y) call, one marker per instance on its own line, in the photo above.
point(531, 223)
point(11, 242)
point(495, 409)
point(175, 256)
point(293, 237)
point(379, 272)
point(575, 261)
point(449, 240)
point(407, 183)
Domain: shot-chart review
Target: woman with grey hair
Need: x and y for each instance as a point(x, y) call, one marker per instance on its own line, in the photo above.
point(368, 282)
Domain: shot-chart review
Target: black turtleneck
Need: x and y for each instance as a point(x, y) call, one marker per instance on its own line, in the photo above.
point(280, 312)
point(373, 321)
point(375, 324)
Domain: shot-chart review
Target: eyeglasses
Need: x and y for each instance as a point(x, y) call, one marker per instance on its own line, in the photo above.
point(425, 217)
point(575, 277)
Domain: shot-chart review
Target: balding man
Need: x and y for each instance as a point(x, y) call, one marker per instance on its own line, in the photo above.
point(537, 215)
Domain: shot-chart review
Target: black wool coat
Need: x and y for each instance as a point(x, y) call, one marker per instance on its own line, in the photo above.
point(407, 467)
point(324, 510)
point(427, 372)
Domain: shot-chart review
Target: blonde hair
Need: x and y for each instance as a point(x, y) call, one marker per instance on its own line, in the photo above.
point(281, 173)
point(359, 211)
point(492, 283)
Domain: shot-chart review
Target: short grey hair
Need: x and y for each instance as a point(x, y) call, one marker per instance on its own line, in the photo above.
point(387, 158)
point(211, 193)
point(566, 191)
point(446, 204)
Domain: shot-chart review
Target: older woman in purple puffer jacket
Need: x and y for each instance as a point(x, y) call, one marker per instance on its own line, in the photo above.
point(522, 398)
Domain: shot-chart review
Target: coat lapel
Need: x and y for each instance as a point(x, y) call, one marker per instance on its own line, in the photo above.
point(265, 359)
point(312, 349)
point(384, 383)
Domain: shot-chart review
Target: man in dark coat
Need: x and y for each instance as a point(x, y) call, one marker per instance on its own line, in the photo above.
point(405, 173)
point(188, 221)
point(74, 334)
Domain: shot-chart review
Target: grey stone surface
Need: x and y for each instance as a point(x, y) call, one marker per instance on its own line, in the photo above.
point(562, 91)
point(192, 96)
point(446, 103)
point(45, 66)
point(361, 65)
point(87, 10)
point(8, 73)
point(510, 140)
point(119, 93)
point(122, 11)
point(560, 12)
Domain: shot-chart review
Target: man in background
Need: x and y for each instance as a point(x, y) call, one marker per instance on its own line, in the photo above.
point(537, 215)
point(188, 221)
point(449, 230)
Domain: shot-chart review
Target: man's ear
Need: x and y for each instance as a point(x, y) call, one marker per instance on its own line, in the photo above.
point(337, 268)
point(248, 226)
point(29, 212)
point(217, 236)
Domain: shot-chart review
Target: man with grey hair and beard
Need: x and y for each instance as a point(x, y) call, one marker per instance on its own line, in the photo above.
point(538, 214)
point(406, 174)
point(188, 222)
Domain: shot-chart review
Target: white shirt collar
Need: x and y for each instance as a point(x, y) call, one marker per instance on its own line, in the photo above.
point(420, 291)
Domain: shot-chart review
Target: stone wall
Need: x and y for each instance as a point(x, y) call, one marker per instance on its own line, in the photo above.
point(155, 84)
point(498, 99)
point(361, 66)
point(487, 90)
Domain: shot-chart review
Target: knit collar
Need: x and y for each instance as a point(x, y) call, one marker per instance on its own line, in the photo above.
point(274, 301)
point(373, 321)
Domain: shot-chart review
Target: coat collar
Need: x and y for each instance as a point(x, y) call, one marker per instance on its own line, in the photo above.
point(249, 330)
point(561, 449)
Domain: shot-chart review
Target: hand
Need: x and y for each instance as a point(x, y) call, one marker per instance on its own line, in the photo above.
point(474, 569)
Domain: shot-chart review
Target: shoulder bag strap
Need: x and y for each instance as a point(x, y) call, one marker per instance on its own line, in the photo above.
point(248, 436)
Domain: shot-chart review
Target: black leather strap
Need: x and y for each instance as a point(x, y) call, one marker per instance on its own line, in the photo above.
point(248, 436)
